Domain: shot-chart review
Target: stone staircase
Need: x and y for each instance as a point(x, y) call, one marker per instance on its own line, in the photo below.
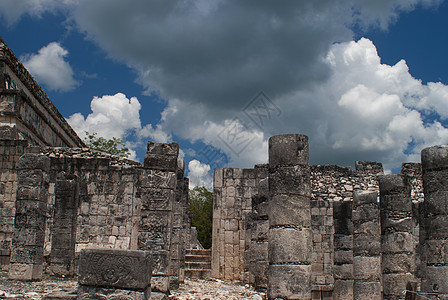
point(198, 263)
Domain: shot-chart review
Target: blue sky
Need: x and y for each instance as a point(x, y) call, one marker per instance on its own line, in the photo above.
point(365, 80)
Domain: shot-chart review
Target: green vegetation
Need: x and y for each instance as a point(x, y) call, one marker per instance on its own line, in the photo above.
point(201, 207)
point(113, 146)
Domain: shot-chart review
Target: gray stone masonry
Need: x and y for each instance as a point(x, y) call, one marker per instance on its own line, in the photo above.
point(366, 247)
point(62, 257)
point(397, 240)
point(30, 217)
point(289, 213)
point(435, 221)
point(256, 253)
point(114, 274)
point(343, 250)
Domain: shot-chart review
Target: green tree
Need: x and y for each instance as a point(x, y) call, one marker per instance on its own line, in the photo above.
point(113, 146)
point(201, 207)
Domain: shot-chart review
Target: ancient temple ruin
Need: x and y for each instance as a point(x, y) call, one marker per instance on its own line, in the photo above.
point(328, 232)
point(295, 230)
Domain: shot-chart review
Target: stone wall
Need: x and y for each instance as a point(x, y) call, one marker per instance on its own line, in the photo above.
point(359, 248)
point(27, 108)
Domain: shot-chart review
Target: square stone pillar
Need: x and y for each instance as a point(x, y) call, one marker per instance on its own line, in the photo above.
point(289, 212)
point(397, 241)
point(63, 238)
point(157, 191)
point(27, 244)
point(366, 246)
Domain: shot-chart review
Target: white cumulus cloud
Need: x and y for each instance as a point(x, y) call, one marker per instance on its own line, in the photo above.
point(199, 174)
point(111, 116)
point(50, 68)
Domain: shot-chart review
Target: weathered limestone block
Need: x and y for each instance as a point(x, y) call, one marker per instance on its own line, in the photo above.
point(290, 245)
point(162, 156)
point(289, 282)
point(435, 220)
point(110, 268)
point(27, 243)
point(288, 149)
point(93, 292)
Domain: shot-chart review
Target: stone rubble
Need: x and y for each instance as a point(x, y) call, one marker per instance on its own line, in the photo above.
point(214, 289)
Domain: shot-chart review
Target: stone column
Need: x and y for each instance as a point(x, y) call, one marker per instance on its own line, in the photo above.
point(157, 191)
point(343, 250)
point(435, 220)
point(290, 236)
point(257, 231)
point(366, 246)
point(27, 244)
point(397, 242)
point(63, 239)
point(114, 274)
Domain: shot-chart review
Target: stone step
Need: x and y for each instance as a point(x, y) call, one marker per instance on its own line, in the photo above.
point(197, 258)
point(204, 252)
point(199, 274)
point(198, 265)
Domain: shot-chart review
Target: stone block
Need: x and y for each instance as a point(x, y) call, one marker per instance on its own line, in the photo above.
point(32, 161)
point(395, 285)
point(436, 203)
point(26, 254)
point(218, 178)
point(157, 199)
point(23, 271)
point(367, 290)
point(390, 223)
point(290, 245)
point(363, 213)
point(343, 226)
point(289, 281)
point(367, 268)
point(160, 284)
point(343, 257)
point(366, 245)
point(436, 227)
point(161, 162)
point(364, 197)
point(343, 242)
point(392, 184)
point(397, 242)
point(122, 269)
point(158, 179)
point(344, 272)
point(160, 262)
point(435, 279)
point(435, 180)
point(398, 263)
point(290, 180)
point(343, 289)
point(437, 252)
point(93, 292)
point(289, 210)
point(168, 149)
point(435, 157)
point(288, 149)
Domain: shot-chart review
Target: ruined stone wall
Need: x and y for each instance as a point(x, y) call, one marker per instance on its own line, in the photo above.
point(233, 191)
point(10, 152)
point(25, 106)
point(354, 253)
